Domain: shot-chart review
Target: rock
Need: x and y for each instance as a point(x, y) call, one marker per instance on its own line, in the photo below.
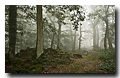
point(77, 55)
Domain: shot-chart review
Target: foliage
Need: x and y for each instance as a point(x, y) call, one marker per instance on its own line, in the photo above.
point(109, 60)
point(36, 68)
point(19, 69)
point(16, 62)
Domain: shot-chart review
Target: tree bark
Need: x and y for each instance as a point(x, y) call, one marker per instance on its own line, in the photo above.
point(80, 37)
point(106, 22)
point(53, 34)
point(109, 40)
point(74, 41)
point(39, 46)
point(12, 30)
point(94, 38)
point(59, 34)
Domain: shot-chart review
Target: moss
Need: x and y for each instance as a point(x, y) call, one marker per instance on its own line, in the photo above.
point(66, 52)
point(77, 55)
point(71, 55)
point(65, 56)
point(62, 55)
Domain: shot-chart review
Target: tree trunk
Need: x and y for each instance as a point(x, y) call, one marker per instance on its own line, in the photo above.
point(59, 34)
point(74, 41)
point(52, 39)
point(109, 40)
point(39, 46)
point(80, 37)
point(53, 34)
point(94, 38)
point(71, 38)
point(12, 30)
point(106, 22)
point(97, 38)
point(106, 35)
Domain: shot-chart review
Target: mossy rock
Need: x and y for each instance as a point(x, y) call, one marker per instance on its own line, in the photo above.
point(66, 52)
point(77, 55)
point(71, 55)
point(64, 56)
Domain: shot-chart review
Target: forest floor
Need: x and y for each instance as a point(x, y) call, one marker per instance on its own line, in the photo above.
point(86, 64)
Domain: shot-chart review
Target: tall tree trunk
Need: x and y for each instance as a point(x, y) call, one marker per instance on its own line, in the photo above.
point(94, 38)
point(74, 41)
point(80, 37)
point(59, 34)
point(53, 34)
point(52, 39)
point(106, 22)
point(12, 30)
point(39, 46)
point(109, 40)
point(71, 38)
point(105, 38)
point(97, 38)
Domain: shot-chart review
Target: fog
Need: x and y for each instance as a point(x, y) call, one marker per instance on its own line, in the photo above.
point(94, 23)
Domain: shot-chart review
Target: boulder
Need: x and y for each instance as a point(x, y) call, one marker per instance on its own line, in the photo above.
point(77, 55)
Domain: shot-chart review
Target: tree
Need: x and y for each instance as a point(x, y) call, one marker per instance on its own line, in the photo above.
point(53, 31)
point(104, 13)
point(12, 30)
point(39, 44)
point(94, 21)
point(58, 12)
point(73, 49)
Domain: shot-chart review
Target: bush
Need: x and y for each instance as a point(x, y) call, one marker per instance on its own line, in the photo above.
point(17, 62)
point(19, 70)
point(36, 68)
point(27, 66)
point(109, 61)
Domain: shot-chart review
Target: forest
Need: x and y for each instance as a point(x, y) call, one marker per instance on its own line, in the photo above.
point(59, 38)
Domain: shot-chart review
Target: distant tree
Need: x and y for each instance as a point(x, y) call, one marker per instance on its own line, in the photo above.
point(12, 30)
point(104, 13)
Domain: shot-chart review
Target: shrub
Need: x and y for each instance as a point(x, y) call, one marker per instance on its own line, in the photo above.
point(27, 66)
point(109, 61)
point(19, 70)
point(6, 62)
point(36, 68)
point(17, 62)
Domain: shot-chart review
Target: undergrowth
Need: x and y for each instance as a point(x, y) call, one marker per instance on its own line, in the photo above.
point(109, 60)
